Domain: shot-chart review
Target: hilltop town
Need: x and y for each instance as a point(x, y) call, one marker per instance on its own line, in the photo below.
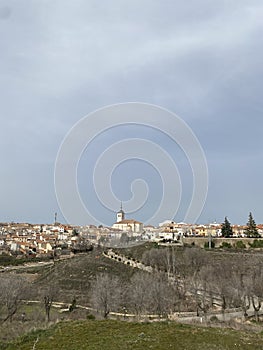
point(55, 239)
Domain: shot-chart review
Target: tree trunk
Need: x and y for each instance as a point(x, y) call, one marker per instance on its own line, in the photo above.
point(47, 313)
point(10, 315)
point(245, 306)
point(256, 308)
point(223, 306)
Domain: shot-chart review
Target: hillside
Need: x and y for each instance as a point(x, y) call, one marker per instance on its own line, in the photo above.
point(84, 279)
point(114, 335)
point(75, 276)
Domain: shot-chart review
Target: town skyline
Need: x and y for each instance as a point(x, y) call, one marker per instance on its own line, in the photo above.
point(57, 220)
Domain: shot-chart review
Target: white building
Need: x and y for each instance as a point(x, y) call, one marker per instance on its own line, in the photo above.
point(127, 225)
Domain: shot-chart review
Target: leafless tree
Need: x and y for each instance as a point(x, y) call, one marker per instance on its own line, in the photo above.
point(151, 294)
point(138, 295)
point(106, 294)
point(202, 290)
point(222, 274)
point(162, 295)
point(170, 261)
point(257, 290)
point(48, 295)
point(241, 286)
point(12, 291)
point(155, 258)
point(194, 259)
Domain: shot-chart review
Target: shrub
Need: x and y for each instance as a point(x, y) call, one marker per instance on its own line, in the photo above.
point(90, 317)
point(226, 245)
point(214, 319)
point(256, 243)
point(240, 245)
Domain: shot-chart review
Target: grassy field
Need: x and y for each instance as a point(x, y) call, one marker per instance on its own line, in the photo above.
point(114, 335)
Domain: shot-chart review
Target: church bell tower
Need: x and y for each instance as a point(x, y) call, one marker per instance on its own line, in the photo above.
point(120, 214)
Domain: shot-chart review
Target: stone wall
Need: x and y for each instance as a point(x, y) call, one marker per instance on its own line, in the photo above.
point(200, 241)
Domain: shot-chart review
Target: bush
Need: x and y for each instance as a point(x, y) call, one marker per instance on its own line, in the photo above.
point(226, 245)
point(214, 319)
point(90, 317)
point(240, 245)
point(256, 243)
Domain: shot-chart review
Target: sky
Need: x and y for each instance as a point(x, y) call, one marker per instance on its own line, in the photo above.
point(61, 60)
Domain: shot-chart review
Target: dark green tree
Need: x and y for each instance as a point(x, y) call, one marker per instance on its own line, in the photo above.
point(226, 228)
point(75, 232)
point(251, 229)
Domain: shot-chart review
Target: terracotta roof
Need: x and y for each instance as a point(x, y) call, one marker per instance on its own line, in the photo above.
point(128, 221)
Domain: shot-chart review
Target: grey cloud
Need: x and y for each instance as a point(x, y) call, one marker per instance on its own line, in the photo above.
point(61, 60)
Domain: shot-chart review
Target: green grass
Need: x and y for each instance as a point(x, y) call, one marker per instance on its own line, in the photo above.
point(114, 335)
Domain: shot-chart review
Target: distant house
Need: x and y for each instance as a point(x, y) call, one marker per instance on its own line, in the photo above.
point(149, 228)
point(15, 246)
point(44, 247)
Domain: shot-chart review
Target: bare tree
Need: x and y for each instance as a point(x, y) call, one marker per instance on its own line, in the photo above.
point(48, 295)
point(163, 259)
point(194, 259)
point(106, 294)
point(155, 258)
point(162, 295)
point(190, 280)
point(151, 294)
point(138, 295)
point(221, 282)
point(170, 262)
point(257, 290)
point(241, 286)
point(12, 291)
point(202, 290)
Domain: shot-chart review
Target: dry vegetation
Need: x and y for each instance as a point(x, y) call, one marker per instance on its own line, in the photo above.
point(188, 279)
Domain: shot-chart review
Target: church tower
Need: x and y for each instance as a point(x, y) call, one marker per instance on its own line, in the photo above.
point(120, 214)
